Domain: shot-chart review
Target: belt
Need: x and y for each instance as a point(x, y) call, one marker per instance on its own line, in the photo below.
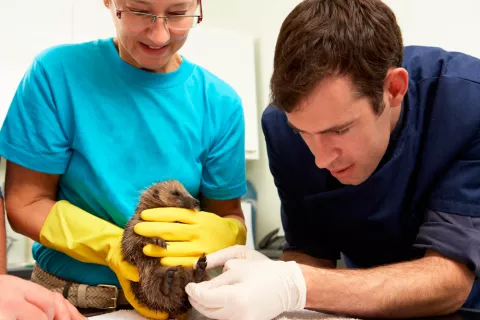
point(102, 296)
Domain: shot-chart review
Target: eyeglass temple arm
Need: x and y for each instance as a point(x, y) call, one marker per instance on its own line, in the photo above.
point(201, 11)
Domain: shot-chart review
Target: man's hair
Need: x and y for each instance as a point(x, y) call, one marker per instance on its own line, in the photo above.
point(321, 38)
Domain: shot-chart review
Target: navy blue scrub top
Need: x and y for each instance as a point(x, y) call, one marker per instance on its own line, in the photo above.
point(425, 192)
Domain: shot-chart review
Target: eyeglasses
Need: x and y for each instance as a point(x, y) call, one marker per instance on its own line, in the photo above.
point(141, 20)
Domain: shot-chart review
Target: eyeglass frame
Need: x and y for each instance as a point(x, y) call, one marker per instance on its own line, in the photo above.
point(156, 17)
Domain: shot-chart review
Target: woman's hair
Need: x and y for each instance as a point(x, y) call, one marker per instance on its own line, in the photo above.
point(320, 38)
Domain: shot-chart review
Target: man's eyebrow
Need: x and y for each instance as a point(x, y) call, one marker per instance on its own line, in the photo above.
point(329, 130)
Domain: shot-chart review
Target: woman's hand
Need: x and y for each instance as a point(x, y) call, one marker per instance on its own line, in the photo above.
point(188, 234)
point(88, 238)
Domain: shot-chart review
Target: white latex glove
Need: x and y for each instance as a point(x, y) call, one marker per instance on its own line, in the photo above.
point(219, 258)
point(250, 287)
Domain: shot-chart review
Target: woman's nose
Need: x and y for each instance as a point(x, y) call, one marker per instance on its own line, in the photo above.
point(159, 32)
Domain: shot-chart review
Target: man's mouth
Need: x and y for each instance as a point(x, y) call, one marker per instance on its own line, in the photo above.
point(340, 170)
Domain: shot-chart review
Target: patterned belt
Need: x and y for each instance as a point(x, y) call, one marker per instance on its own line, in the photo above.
point(81, 295)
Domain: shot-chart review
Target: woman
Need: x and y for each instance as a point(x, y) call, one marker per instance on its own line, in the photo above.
point(93, 124)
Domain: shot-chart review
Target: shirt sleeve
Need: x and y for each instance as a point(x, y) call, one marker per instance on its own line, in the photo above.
point(300, 235)
point(224, 172)
point(454, 236)
point(458, 190)
point(452, 223)
point(31, 134)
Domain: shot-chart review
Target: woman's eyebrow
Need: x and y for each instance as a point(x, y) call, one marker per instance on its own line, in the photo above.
point(181, 4)
point(141, 2)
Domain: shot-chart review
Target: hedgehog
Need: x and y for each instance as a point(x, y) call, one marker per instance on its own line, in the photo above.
point(161, 288)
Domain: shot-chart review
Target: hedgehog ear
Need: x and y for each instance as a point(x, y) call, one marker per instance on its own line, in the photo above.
point(155, 194)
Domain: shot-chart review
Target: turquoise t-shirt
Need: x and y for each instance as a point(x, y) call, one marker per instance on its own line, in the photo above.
point(110, 130)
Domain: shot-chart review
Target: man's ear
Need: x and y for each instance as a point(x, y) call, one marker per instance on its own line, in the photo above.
point(396, 86)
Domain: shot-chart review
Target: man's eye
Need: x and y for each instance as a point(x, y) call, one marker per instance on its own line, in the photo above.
point(342, 131)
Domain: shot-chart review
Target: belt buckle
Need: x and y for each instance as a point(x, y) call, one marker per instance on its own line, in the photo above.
point(115, 299)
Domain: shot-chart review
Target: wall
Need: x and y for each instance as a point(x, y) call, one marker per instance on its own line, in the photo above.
point(448, 24)
point(452, 25)
point(261, 19)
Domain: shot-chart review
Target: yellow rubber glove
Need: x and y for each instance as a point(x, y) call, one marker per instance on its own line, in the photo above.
point(197, 233)
point(90, 239)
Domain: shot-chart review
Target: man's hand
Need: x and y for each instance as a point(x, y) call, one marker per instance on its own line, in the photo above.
point(22, 299)
point(197, 233)
point(219, 258)
point(250, 287)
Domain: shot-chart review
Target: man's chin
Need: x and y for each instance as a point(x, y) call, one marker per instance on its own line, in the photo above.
point(353, 180)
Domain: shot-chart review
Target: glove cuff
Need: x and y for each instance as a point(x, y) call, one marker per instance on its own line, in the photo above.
point(299, 283)
point(239, 229)
point(78, 234)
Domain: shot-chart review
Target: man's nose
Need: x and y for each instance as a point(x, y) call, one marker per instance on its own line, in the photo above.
point(325, 153)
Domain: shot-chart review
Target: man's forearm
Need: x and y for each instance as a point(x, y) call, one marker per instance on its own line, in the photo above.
point(432, 285)
point(302, 258)
point(3, 240)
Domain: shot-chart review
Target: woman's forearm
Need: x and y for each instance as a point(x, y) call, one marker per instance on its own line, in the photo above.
point(29, 219)
point(3, 240)
point(29, 197)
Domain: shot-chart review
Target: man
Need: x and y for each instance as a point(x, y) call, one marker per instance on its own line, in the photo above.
point(375, 152)
point(22, 299)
